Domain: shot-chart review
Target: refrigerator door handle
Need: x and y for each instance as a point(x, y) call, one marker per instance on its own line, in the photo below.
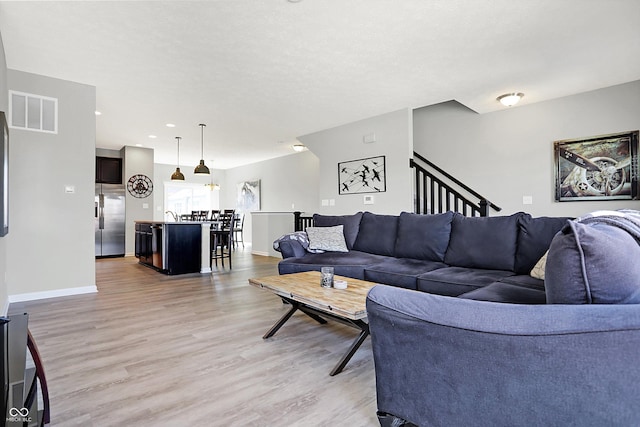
point(101, 212)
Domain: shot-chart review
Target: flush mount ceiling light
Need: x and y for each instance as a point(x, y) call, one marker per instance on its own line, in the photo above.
point(510, 99)
point(201, 169)
point(170, 125)
point(177, 175)
point(298, 147)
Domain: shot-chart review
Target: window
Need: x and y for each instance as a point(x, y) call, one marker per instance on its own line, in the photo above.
point(33, 112)
point(183, 197)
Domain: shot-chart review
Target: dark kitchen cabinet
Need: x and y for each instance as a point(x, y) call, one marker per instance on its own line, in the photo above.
point(144, 243)
point(108, 170)
point(170, 248)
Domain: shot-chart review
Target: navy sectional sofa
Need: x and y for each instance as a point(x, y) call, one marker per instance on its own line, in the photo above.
point(481, 258)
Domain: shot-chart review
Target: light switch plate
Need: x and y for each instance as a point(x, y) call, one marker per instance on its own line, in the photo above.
point(369, 200)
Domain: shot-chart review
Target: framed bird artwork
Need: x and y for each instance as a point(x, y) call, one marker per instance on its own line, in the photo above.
point(362, 176)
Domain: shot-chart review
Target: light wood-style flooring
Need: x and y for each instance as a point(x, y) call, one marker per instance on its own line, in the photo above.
point(156, 350)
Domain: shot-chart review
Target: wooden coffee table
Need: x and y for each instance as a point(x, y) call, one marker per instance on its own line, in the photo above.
point(304, 293)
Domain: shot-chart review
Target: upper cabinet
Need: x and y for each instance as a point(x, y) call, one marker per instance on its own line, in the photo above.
point(108, 170)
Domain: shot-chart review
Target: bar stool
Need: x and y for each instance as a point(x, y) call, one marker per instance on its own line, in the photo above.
point(238, 226)
point(221, 237)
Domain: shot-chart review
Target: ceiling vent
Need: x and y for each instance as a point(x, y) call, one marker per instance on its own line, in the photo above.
point(33, 112)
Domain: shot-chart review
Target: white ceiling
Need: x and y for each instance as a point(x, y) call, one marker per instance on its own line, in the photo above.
point(260, 73)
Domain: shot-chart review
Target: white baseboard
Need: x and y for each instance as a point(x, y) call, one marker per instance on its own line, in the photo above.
point(261, 253)
point(205, 270)
point(31, 296)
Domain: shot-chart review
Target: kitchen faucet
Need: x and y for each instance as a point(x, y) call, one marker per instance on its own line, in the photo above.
point(173, 214)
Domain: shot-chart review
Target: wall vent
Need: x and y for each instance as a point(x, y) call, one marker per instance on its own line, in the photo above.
point(33, 112)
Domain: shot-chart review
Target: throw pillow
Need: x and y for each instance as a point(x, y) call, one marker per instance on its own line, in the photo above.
point(351, 225)
point(537, 272)
point(593, 260)
point(327, 239)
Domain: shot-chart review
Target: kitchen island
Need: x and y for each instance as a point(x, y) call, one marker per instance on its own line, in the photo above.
point(173, 247)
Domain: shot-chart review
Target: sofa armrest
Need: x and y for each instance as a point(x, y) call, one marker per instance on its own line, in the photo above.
point(292, 244)
point(449, 361)
point(291, 248)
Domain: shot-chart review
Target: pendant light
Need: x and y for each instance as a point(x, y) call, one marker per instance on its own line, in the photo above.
point(201, 169)
point(212, 186)
point(177, 175)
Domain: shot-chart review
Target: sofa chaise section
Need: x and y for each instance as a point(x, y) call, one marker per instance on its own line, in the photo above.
point(443, 361)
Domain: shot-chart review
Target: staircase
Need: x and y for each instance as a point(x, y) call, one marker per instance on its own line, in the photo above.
point(436, 191)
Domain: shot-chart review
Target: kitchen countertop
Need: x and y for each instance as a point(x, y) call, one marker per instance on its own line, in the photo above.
point(173, 222)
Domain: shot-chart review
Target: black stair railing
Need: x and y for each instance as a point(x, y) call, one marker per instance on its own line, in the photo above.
point(440, 192)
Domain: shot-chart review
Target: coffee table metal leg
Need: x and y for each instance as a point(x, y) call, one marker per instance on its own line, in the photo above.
point(312, 315)
point(294, 306)
point(352, 350)
point(360, 324)
point(281, 322)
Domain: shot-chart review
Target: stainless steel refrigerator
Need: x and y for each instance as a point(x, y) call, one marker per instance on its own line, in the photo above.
point(109, 220)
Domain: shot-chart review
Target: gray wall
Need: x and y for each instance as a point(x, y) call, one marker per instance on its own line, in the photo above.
point(50, 245)
point(508, 154)
point(287, 184)
point(136, 160)
point(4, 106)
point(393, 135)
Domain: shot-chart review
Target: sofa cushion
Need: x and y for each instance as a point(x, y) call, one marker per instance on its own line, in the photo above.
point(402, 272)
point(483, 242)
point(348, 264)
point(454, 281)
point(377, 234)
point(525, 281)
point(327, 238)
point(351, 225)
point(594, 260)
point(534, 238)
point(507, 293)
point(423, 236)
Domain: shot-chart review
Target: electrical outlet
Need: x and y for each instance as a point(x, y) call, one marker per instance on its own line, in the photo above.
point(369, 138)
